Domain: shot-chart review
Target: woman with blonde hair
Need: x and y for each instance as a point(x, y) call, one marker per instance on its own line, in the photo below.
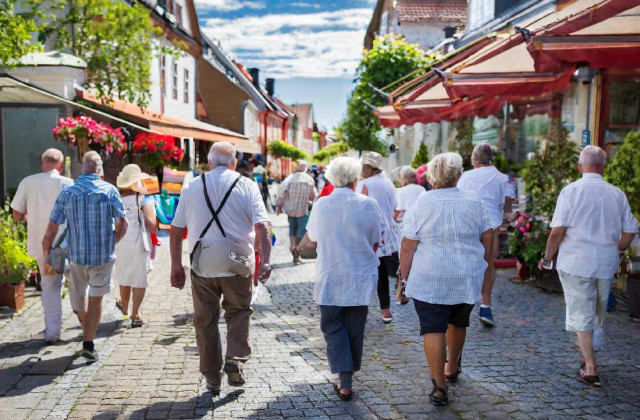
point(445, 245)
point(132, 251)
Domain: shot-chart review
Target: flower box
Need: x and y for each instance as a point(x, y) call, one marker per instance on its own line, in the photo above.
point(12, 295)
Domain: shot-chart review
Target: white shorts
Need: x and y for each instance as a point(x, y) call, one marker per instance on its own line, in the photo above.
point(132, 265)
point(586, 299)
point(96, 279)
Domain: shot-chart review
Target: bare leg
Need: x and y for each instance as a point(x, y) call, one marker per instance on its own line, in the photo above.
point(435, 348)
point(125, 296)
point(138, 296)
point(585, 339)
point(293, 247)
point(489, 274)
point(455, 342)
point(93, 317)
point(82, 315)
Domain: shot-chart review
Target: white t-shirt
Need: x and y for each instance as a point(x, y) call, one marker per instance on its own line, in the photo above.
point(35, 197)
point(243, 209)
point(595, 214)
point(492, 187)
point(408, 195)
point(382, 190)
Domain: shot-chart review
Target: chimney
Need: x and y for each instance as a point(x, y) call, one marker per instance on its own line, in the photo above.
point(270, 86)
point(255, 75)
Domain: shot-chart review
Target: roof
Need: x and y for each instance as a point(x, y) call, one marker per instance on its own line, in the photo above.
point(53, 58)
point(164, 124)
point(453, 11)
point(304, 113)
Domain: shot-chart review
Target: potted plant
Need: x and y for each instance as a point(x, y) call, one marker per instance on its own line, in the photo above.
point(87, 134)
point(624, 172)
point(545, 175)
point(157, 151)
point(282, 149)
point(15, 264)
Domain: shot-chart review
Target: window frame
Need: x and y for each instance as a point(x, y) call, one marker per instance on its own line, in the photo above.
point(186, 86)
point(174, 90)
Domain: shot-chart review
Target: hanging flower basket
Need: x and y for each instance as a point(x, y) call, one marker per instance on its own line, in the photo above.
point(87, 134)
point(157, 150)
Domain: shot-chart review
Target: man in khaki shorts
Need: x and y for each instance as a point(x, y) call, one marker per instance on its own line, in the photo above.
point(592, 223)
point(92, 208)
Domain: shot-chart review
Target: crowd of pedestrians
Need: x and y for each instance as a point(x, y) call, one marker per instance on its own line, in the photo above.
point(436, 234)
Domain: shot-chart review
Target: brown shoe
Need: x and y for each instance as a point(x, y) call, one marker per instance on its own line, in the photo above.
point(235, 375)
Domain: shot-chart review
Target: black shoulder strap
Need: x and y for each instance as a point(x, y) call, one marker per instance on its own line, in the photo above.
point(215, 213)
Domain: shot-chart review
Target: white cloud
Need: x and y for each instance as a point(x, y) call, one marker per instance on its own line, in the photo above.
point(325, 44)
point(306, 5)
point(229, 5)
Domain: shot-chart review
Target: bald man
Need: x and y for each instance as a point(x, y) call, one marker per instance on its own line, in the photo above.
point(33, 203)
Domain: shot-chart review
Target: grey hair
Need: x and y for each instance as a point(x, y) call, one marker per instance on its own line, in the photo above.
point(445, 170)
point(302, 166)
point(344, 172)
point(91, 162)
point(52, 156)
point(482, 154)
point(593, 155)
point(408, 174)
point(222, 154)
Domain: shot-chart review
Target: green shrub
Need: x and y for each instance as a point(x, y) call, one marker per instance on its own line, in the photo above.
point(15, 263)
point(282, 149)
point(332, 150)
point(421, 157)
point(624, 170)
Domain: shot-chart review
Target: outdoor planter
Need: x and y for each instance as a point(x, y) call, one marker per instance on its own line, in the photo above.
point(548, 280)
point(12, 295)
point(633, 294)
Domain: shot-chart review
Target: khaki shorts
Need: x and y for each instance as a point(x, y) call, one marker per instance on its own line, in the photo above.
point(586, 300)
point(96, 279)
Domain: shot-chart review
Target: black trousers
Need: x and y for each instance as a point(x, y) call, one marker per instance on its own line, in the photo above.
point(388, 267)
point(343, 329)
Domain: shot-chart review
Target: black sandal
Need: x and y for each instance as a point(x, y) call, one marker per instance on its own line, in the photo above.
point(435, 400)
point(454, 376)
point(591, 380)
point(343, 397)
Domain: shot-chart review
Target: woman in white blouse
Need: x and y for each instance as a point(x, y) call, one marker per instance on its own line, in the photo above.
point(493, 188)
point(445, 245)
point(408, 194)
point(347, 228)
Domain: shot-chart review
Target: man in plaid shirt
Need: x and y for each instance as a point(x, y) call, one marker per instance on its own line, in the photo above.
point(299, 190)
point(95, 217)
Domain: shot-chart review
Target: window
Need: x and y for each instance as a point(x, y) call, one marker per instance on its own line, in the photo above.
point(175, 80)
point(178, 14)
point(186, 86)
point(163, 74)
point(170, 6)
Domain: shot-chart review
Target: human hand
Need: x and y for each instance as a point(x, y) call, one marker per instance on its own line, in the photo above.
point(278, 210)
point(540, 264)
point(264, 272)
point(178, 277)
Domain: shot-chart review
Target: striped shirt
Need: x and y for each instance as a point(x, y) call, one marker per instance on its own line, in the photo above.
point(298, 187)
point(90, 207)
point(448, 266)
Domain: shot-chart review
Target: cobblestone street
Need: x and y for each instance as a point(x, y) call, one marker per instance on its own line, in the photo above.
point(522, 369)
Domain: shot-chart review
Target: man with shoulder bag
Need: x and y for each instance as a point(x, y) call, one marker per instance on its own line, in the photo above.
point(225, 217)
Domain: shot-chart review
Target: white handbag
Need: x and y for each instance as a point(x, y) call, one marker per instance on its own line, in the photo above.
point(212, 256)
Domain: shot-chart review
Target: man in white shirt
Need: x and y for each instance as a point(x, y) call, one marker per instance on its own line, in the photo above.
point(33, 203)
point(592, 223)
point(242, 218)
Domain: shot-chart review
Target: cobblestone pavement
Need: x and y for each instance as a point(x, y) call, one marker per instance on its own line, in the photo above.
point(524, 368)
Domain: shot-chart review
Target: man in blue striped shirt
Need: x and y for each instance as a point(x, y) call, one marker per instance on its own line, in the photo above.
point(95, 218)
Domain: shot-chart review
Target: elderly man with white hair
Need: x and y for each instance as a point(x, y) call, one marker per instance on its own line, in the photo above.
point(299, 191)
point(225, 217)
point(94, 213)
point(347, 228)
point(493, 188)
point(33, 203)
point(591, 225)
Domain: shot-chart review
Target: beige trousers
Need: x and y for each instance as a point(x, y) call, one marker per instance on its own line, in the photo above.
point(235, 295)
point(586, 300)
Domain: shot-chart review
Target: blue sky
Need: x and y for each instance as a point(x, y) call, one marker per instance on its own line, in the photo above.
point(311, 47)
